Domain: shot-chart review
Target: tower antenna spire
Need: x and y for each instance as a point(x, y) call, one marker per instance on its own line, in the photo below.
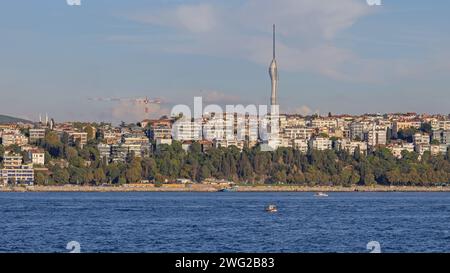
point(273, 41)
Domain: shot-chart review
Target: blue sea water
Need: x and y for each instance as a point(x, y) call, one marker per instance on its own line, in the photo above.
point(224, 222)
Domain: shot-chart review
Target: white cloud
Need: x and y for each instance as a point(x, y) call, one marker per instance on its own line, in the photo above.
point(192, 18)
point(306, 31)
point(302, 110)
point(306, 36)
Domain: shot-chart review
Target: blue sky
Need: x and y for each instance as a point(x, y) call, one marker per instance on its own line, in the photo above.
point(340, 56)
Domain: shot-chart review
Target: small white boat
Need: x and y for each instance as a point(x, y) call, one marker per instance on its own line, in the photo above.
point(271, 208)
point(321, 194)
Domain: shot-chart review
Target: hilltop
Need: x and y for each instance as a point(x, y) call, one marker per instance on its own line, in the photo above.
point(9, 119)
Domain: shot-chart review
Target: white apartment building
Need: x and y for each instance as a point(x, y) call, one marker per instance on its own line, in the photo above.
point(357, 129)
point(161, 132)
point(111, 137)
point(135, 139)
point(421, 139)
point(321, 143)
point(295, 121)
point(405, 124)
point(163, 141)
point(300, 144)
point(350, 146)
point(246, 127)
point(324, 122)
point(396, 149)
point(185, 129)
point(37, 134)
point(225, 143)
point(298, 132)
point(23, 174)
point(78, 137)
point(104, 151)
point(438, 149)
point(440, 124)
point(433, 149)
point(442, 136)
point(37, 156)
point(219, 127)
point(14, 171)
point(16, 138)
point(376, 135)
point(11, 160)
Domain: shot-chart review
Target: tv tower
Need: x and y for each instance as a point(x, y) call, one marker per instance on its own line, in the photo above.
point(273, 72)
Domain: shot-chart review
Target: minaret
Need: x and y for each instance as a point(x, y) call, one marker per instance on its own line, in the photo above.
point(273, 72)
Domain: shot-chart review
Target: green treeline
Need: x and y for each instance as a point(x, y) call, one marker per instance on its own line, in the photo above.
point(76, 165)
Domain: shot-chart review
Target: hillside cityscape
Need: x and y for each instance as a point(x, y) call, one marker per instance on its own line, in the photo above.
point(345, 150)
point(243, 146)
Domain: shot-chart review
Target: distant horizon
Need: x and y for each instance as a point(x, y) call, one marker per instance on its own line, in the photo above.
point(322, 115)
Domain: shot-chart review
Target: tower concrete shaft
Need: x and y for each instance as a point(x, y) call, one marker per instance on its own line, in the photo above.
point(273, 72)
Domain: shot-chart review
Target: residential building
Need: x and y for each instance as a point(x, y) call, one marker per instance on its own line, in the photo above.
point(320, 143)
point(15, 138)
point(300, 144)
point(37, 134)
point(104, 151)
point(442, 136)
point(185, 129)
point(397, 148)
point(22, 175)
point(421, 139)
point(14, 171)
point(350, 146)
point(37, 156)
point(79, 138)
point(405, 124)
point(357, 130)
point(376, 135)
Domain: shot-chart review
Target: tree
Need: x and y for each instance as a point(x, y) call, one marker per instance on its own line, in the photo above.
point(41, 178)
point(99, 176)
point(90, 132)
point(435, 142)
point(245, 167)
point(205, 172)
point(134, 170)
point(53, 145)
point(14, 149)
point(426, 128)
point(357, 153)
point(2, 152)
point(407, 134)
point(61, 176)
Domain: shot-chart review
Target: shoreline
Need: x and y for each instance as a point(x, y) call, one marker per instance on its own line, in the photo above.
point(215, 188)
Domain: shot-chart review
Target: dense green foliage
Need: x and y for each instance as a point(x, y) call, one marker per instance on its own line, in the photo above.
point(286, 165)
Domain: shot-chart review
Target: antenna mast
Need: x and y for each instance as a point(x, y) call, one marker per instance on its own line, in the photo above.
point(274, 41)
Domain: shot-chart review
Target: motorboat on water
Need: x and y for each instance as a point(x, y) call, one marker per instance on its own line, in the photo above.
point(320, 194)
point(271, 208)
